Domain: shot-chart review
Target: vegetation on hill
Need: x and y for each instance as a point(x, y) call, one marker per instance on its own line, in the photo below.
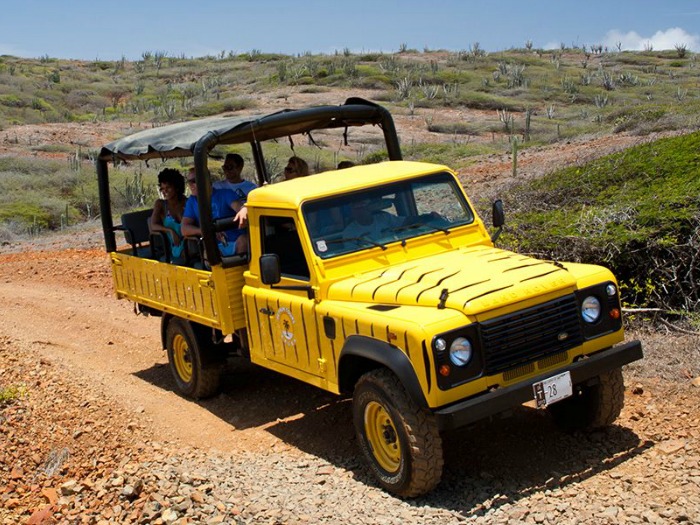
point(541, 95)
point(637, 212)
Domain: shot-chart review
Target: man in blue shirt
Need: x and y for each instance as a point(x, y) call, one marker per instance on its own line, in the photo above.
point(232, 168)
point(224, 203)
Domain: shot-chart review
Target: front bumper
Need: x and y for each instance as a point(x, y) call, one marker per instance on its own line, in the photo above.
point(502, 399)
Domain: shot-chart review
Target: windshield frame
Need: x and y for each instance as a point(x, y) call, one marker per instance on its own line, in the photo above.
point(395, 206)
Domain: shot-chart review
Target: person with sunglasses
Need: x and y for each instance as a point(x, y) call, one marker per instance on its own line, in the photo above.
point(232, 168)
point(224, 203)
point(296, 167)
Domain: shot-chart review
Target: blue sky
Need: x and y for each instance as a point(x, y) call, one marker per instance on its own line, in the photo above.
point(93, 29)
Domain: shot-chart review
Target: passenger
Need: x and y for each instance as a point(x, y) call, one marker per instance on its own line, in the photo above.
point(296, 167)
point(167, 212)
point(232, 168)
point(369, 221)
point(224, 203)
point(345, 164)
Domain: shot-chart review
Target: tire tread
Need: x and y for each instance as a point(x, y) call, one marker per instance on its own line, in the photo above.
point(421, 428)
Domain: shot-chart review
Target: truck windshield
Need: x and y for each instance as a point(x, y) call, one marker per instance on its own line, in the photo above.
point(379, 216)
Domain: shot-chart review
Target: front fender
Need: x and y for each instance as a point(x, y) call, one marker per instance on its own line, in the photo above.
point(361, 354)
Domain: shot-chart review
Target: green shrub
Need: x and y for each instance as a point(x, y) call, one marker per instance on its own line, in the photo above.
point(25, 216)
point(630, 118)
point(53, 148)
point(454, 128)
point(13, 101)
point(314, 89)
point(222, 106)
point(12, 393)
point(637, 211)
point(374, 82)
point(371, 57)
point(451, 154)
point(478, 100)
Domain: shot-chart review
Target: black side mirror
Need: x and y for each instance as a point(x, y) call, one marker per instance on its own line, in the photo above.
point(498, 218)
point(270, 268)
point(498, 215)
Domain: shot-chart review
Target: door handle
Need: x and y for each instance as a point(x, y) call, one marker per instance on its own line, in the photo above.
point(266, 311)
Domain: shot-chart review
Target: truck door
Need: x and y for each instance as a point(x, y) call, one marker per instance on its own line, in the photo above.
point(286, 318)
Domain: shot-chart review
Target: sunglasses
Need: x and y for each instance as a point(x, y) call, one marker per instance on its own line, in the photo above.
point(289, 169)
point(191, 181)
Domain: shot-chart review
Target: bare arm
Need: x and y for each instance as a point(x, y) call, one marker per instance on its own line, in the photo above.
point(242, 216)
point(157, 222)
point(189, 228)
point(157, 217)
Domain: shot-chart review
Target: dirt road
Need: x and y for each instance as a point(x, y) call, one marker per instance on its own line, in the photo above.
point(99, 390)
point(62, 304)
point(97, 434)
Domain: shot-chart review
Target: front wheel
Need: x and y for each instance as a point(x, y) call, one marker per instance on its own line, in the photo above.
point(195, 366)
point(592, 406)
point(399, 440)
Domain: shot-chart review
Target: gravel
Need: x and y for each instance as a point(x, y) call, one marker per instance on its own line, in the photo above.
point(70, 454)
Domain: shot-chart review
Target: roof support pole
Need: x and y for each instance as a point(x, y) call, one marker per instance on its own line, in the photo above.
point(105, 205)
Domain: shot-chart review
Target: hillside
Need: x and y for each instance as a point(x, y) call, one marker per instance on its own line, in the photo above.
point(499, 119)
point(540, 94)
point(465, 109)
point(91, 429)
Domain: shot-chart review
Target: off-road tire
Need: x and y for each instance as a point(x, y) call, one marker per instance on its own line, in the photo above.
point(195, 366)
point(592, 407)
point(409, 461)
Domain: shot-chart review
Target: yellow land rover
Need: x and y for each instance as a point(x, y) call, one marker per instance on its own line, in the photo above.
point(377, 281)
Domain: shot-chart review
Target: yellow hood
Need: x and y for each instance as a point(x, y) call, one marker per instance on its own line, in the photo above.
point(477, 279)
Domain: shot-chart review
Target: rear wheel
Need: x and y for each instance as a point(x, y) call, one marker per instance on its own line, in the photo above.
point(593, 406)
point(195, 366)
point(399, 440)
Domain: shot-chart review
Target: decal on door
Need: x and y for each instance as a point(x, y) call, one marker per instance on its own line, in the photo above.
point(285, 318)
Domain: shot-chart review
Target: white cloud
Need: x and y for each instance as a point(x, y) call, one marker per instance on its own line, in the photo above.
point(668, 39)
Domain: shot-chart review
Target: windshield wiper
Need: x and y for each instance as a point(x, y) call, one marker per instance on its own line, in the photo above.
point(446, 231)
point(405, 227)
point(415, 225)
point(360, 238)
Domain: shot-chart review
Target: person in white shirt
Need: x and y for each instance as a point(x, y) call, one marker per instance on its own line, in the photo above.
point(369, 221)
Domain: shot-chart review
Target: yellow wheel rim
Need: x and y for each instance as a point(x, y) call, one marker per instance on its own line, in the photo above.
point(182, 357)
point(382, 437)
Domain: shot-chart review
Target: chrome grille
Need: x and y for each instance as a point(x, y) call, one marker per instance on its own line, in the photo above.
point(531, 334)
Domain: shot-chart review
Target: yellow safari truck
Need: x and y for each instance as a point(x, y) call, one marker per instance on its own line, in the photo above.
point(378, 281)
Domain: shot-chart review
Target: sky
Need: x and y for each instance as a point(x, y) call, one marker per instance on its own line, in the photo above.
point(98, 30)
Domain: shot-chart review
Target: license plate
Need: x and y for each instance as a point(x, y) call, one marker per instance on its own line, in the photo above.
point(552, 389)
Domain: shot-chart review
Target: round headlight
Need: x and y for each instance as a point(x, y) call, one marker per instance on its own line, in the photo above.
point(590, 309)
point(440, 344)
point(460, 351)
point(611, 290)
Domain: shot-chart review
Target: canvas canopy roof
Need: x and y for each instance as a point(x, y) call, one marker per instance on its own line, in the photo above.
point(197, 138)
point(181, 139)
